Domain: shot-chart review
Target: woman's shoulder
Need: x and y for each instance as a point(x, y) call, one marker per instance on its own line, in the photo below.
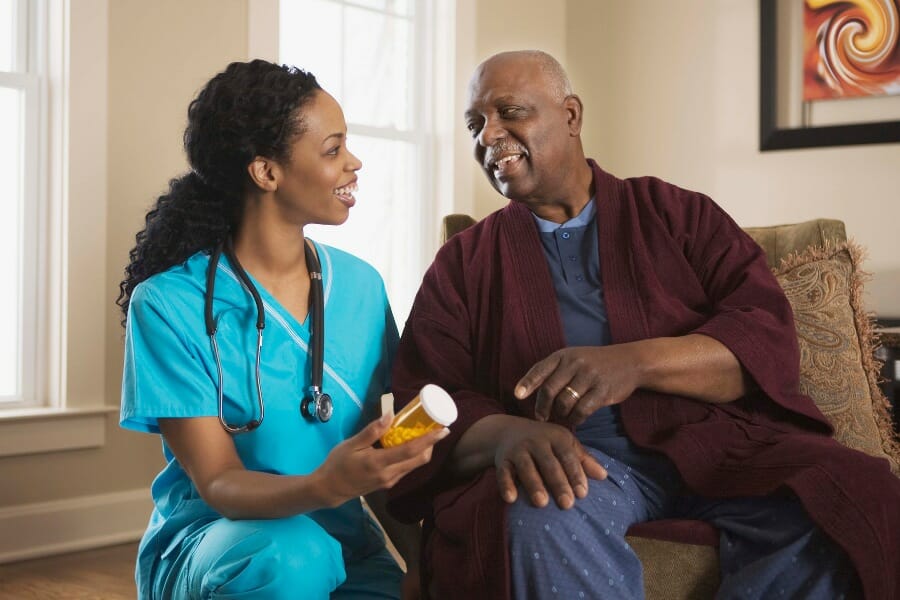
point(185, 280)
point(347, 267)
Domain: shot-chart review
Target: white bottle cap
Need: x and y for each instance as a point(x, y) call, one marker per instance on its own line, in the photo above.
point(438, 404)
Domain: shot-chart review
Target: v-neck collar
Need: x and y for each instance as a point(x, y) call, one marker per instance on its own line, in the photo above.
point(273, 307)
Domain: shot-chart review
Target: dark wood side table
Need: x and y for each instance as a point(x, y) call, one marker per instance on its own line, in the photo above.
point(889, 354)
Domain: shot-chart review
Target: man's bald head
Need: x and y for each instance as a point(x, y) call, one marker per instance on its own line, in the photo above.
point(525, 124)
point(555, 76)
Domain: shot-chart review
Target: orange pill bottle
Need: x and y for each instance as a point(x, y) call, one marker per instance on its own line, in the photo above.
point(432, 409)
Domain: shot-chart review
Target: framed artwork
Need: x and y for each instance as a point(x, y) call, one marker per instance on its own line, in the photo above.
point(829, 73)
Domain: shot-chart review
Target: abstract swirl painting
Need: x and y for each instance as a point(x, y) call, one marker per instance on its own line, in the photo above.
point(850, 48)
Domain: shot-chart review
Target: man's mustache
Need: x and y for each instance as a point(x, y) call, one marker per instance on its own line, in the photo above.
point(501, 149)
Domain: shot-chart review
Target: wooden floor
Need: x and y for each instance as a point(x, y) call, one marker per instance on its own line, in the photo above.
point(104, 574)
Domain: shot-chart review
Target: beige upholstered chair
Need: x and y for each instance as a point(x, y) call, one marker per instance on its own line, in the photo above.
point(815, 255)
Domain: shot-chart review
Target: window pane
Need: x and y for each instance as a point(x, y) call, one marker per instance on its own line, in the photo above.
point(377, 69)
point(7, 34)
point(310, 38)
point(11, 150)
point(382, 228)
point(398, 7)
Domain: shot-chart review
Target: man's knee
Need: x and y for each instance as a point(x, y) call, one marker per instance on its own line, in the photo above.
point(551, 527)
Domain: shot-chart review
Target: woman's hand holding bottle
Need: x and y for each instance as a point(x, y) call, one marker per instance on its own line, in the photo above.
point(355, 467)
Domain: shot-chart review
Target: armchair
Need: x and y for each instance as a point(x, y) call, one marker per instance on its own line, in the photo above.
point(818, 268)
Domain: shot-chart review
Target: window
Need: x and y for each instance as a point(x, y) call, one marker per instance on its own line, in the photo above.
point(383, 61)
point(21, 121)
point(52, 399)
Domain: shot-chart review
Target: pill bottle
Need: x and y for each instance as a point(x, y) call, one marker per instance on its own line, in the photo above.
point(432, 409)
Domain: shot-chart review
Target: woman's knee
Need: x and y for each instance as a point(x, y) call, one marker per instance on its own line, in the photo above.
point(270, 559)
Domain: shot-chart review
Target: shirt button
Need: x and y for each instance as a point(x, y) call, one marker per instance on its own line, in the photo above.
point(572, 258)
point(566, 235)
point(579, 277)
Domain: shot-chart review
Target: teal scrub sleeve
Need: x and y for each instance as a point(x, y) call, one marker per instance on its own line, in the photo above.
point(163, 376)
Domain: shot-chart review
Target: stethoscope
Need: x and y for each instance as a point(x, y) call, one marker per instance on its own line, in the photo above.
point(316, 405)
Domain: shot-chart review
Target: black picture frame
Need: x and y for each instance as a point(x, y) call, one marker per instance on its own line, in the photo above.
point(771, 137)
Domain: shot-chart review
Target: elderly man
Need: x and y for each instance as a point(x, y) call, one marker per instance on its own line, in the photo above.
point(620, 353)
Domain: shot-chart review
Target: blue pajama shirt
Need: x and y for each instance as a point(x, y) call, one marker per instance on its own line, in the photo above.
point(768, 547)
point(188, 550)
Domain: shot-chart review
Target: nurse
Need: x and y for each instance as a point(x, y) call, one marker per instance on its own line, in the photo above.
point(273, 512)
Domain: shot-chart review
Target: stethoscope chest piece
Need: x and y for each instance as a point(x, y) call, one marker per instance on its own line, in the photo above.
point(317, 406)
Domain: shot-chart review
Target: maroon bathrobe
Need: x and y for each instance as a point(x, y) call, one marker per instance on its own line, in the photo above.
point(672, 263)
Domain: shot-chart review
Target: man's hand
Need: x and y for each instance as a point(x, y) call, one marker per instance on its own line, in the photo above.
point(572, 383)
point(544, 458)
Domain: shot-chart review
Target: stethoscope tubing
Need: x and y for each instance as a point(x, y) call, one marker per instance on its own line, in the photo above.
point(317, 307)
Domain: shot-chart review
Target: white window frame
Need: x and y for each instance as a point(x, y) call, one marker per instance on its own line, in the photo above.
point(54, 417)
point(28, 76)
point(433, 128)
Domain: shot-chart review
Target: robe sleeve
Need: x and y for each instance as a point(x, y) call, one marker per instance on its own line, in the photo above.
point(749, 312)
point(436, 347)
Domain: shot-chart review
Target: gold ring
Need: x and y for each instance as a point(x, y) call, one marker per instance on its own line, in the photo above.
point(575, 394)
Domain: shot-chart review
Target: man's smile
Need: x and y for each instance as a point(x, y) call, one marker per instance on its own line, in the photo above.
point(507, 165)
point(503, 161)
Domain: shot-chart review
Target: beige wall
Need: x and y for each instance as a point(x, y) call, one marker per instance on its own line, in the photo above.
point(161, 53)
point(671, 89)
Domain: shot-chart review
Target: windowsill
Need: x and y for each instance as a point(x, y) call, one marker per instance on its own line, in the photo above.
point(35, 430)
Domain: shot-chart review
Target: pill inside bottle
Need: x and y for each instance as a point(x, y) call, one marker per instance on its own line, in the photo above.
point(432, 409)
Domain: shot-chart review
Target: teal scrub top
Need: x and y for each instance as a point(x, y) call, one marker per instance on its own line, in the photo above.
point(170, 371)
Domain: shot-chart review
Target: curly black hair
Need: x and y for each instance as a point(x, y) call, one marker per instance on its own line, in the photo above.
point(250, 109)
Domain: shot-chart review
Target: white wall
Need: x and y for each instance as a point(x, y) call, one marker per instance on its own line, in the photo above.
point(671, 89)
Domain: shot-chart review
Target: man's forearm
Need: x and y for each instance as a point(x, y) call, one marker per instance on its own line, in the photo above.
point(475, 450)
point(695, 366)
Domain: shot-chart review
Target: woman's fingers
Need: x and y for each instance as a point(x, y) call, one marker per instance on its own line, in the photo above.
point(402, 459)
point(371, 432)
point(366, 468)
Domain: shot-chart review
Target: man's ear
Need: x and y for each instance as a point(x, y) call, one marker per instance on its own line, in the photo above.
point(574, 110)
point(265, 173)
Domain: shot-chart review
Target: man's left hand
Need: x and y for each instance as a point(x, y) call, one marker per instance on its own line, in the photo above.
point(572, 383)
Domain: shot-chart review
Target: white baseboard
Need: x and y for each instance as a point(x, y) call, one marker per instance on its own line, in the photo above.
point(46, 528)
